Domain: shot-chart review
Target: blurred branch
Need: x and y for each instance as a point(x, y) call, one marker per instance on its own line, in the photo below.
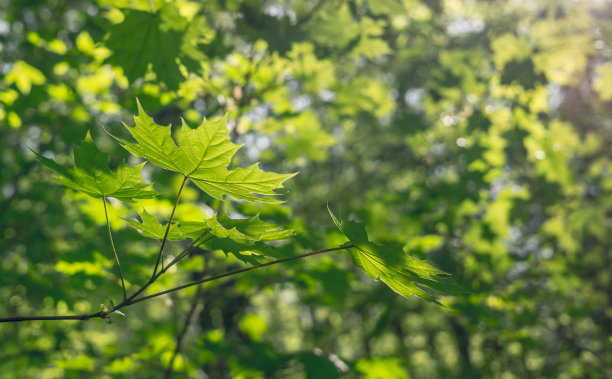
point(310, 14)
point(196, 307)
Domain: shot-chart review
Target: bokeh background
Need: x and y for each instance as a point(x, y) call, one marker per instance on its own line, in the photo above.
point(476, 133)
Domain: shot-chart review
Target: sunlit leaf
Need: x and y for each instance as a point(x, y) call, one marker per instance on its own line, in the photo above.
point(149, 227)
point(92, 175)
point(24, 75)
point(390, 263)
point(202, 155)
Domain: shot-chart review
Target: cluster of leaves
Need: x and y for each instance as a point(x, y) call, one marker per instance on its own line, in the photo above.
point(202, 156)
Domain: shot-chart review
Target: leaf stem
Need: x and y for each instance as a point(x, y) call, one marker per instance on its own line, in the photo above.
point(161, 249)
point(110, 237)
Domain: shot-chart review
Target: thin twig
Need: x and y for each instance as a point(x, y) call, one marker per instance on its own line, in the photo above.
point(235, 272)
point(161, 249)
point(187, 250)
point(43, 318)
point(110, 237)
point(130, 301)
point(172, 263)
point(195, 308)
point(151, 7)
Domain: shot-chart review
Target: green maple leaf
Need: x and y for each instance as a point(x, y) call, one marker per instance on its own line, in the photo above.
point(242, 231)
point(158, 39)
point(139, 41)
point(242, 237)
point(246, 231)
point(247, 253)
point(149, 227)
point(232, 233)
point(202, 155)
point(193, 229)
point(254, 227)
point(404, 274)
point(92, 175)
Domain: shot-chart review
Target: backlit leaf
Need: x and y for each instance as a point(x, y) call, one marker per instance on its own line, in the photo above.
point(390, 263)
point(92, 175)
point(149, 227)
point(202, 155)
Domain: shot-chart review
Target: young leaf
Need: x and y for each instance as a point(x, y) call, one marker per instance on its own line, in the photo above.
point(243, 231)
point(248, 253)
point(254, 226)
point(242, 237)
point(149, 227)
point(202, 155)
point(246, 231)
point(218, 230)
point(92, 176)
point(390, 263)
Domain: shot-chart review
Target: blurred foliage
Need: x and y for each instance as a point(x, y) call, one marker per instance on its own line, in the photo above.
point(474, 134)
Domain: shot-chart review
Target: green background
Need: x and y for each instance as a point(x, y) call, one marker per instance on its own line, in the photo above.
point(476, 134)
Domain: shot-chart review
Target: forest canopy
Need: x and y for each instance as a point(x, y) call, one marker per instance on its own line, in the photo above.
point(305, 188)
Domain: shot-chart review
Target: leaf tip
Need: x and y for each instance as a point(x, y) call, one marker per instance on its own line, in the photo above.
point(138, 103)
point(333, 216)
point(141, 112)
point(36, 153)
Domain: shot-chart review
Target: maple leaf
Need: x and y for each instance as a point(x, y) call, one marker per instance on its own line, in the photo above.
point(404, 274)
point(255, 228)
point(244, 231)
point(202, 155)
point(247, 230)
point(159, 39)
point(92, 175)
point(244, 238)
point(149, 227)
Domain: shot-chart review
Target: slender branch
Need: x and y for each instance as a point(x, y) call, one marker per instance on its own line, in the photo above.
point(131, 300)
point(151, 7)
point(235, 272)
point(110, 237)
point(43, 318)
point(161, 249)
point(195, 308)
